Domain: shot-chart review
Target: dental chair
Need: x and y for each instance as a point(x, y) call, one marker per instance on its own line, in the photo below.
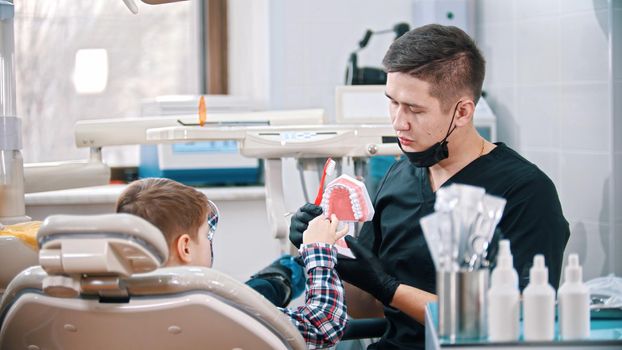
point(100, 285)
point(15, 256)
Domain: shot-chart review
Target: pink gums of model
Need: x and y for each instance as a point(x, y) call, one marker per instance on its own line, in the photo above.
point(348, 199)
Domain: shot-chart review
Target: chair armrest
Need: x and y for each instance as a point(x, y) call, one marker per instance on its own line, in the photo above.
point(365, 328)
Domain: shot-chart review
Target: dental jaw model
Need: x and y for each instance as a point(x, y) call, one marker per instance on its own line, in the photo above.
point(349, 200)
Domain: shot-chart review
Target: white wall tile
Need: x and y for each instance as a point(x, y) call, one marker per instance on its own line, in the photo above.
point(328, 46)
point(312, 40)
point(560, 45)
point(295, 70)
point(293, 97)
point(327, 93)
point(354, 9)
point(584, 47)
point(584, 191)
point(537, 51)
point(617, 192)
point(585, 117)
point(318, 95)
point(617, 116)
point(536, 8)
point(591, 242)
point(501, 101)
point(617, 248)
point(547, 161)
point(495, 11)
point(570, 6)
point(538, 108)
point(497, 43)
point(617, 42)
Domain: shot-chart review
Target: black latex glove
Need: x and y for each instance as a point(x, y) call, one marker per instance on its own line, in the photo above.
point(367, 273)
point(300, 222)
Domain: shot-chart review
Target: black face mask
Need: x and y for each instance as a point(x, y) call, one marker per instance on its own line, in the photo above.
point(434, 153)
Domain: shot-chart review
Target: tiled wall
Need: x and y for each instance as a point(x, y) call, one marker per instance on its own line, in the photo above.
point(550, 82)
point(312, 40)
point(616, 53)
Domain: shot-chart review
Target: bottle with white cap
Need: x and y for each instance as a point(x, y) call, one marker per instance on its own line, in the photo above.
point(574, 303)
point(539, 304)
point(504, 298)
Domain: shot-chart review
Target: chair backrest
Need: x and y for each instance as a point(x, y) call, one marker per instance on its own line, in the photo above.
point(15, 256)
point(88, 293)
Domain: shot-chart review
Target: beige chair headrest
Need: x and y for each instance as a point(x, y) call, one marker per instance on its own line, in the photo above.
point(104, 245)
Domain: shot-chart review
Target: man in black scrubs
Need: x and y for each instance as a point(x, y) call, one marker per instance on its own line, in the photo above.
point(435, 77)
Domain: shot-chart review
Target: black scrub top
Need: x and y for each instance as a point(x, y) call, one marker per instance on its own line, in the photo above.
point(532, 220)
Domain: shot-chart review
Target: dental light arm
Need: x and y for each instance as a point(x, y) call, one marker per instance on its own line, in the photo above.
point(220, 126)
point(39, 177)
point(96, 134)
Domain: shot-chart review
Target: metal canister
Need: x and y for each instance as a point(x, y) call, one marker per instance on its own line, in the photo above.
point(462, 303)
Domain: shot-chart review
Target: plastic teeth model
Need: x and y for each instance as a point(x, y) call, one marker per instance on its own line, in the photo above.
point(348, 199)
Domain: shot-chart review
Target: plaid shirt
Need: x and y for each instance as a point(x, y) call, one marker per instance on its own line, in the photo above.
point(322, 320)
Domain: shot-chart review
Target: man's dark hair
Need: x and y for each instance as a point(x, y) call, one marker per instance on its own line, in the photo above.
point(444, 56)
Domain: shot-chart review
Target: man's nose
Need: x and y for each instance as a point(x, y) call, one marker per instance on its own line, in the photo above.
point(399, 121)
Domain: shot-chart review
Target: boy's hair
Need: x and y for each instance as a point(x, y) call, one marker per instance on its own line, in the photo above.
point(170, 206)
point(444, 56)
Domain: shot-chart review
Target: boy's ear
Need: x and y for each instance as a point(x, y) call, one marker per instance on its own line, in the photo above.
point(182, 247)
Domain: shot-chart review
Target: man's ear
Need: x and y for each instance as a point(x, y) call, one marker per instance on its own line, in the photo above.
point(464, 115)
point(182, 247)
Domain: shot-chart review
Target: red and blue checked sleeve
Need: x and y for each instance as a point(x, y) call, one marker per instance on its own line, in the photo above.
point(322, 320)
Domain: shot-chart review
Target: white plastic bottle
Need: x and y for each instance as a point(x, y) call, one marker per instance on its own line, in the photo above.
point(574, 303)
point(539, 304)
point(504, 298)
